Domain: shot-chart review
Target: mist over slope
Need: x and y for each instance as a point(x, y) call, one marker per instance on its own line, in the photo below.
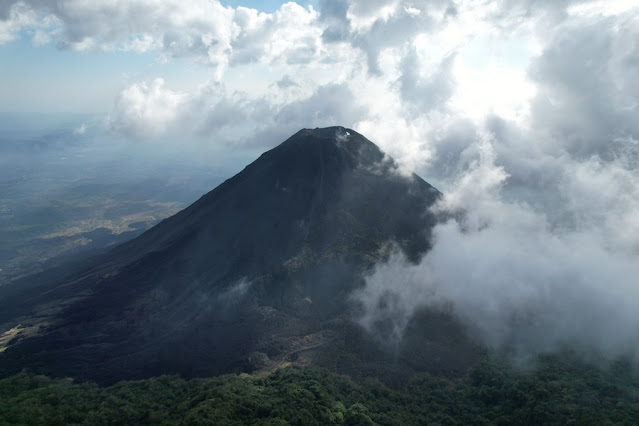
point(529, 267)
point(546, 254)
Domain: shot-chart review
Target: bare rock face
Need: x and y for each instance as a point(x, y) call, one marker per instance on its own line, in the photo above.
point(256, 273)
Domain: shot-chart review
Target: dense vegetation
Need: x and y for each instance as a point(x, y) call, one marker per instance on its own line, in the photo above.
point(556, 391)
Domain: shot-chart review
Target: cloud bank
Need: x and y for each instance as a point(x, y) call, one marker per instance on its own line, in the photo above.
point(520, 282)
point(544, 254)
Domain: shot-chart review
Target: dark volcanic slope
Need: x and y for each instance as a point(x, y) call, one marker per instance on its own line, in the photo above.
point(256, 272)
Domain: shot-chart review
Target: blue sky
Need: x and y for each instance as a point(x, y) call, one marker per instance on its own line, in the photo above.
point(45, 79)
point(268, 6)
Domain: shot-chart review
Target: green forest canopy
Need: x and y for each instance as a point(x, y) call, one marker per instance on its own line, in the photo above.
point(556, 391)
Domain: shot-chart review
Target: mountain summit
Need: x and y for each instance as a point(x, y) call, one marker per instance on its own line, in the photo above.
point(255, 273)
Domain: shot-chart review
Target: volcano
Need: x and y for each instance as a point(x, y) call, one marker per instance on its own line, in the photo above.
point(255, 274)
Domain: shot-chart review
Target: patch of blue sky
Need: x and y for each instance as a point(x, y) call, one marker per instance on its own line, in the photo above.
point(268, 6)
point(46, 79)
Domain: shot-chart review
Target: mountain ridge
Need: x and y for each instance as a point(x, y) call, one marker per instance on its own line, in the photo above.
point(257, 270)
